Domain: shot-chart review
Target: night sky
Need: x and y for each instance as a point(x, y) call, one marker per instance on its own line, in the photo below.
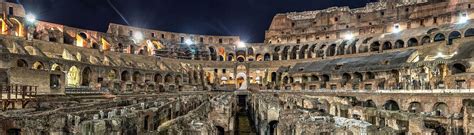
point(245, 18)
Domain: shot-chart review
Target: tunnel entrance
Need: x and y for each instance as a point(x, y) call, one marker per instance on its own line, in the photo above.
point(243, 122)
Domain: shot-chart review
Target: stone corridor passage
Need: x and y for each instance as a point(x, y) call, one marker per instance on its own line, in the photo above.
point(243, 122)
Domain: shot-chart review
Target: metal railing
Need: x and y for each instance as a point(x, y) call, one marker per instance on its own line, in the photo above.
point(84, 90)
point(17, 92)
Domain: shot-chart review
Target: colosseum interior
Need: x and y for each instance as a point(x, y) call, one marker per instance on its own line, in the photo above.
point(401, 67)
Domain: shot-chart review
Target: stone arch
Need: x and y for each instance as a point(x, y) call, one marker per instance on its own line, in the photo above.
point(387, 45)
point(369, 103)
point(358, 76)
point(469, 32)
point(458, 68)
point(38, 65)
point(21, 63)
point(370, 75)
point(314, 78)
point(17, 27)
point(452, 36)
point(168, 79)
point(73, 77)
point(273, 77)
point(158, 78)
point(303, 51)
point(258, 57)
point(125, 76)
point(439, 37)
point(331, 50)
point(345, 78)
point(399, 44)
point(266, 57)
point(391, 105)
point(375, 46)
point(425, 40)
point(212, 53)
point(352, 49)
point(415, 107)
point(112, 75)
point(86, 76)
point(178, 79)
point(137, 77)
point(285, 52)
point(311, 51)
point(56, 67)
point(341, 48)
point(320, 52)
point(276, 52)
point(440, 109)
point(412, 42)
point(241, 55)
point(272, 127)
point(230, 57)
point(294, 52)
point(220, 130)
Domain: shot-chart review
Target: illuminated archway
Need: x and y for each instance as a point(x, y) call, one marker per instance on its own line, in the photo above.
point(38, 65)
point(73, 77)
point(18, 27)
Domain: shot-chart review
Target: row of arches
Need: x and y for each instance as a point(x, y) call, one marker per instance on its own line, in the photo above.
point(343, 48)
point(438, 109)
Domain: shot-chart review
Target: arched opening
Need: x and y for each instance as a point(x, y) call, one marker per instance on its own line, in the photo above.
point(303, 51)
point(314, 78)
point(230, 57)
point(439, 37)
point(469, 32)
point(320, 51)
point(86, 76)
point(440, 109)
point(285, 80)
point(220, 130)
point(294, 51)
point(375, 46)
point(112, 75)
point(73, 77)
point(137, 77)
point(391, 105)
point(452, 36)
point(345, 78)
point(125, 76)
point(358, 76)
point(369, 103)
point(415, 107)
point(212, 53)
point(273, 77)
point(352, 49)
point(38, 65)
point(412, 42)
point(168, 79)
point(14, 131)
point(56, 67)
point(272, 127)
point(341, 48)
point(387, 45)
point(311, 51)
point(331, 50)
point(158, 78)
point(284, 54)
point(250, 51)
point(266, 57)
point(399, 44)
point(458, 68)
point(276, 53)
point(370, 75)
point(177, 80)
point(221, 58)
point(425, 40)
point(240, 59)
point(145, 123)
point(21, 63)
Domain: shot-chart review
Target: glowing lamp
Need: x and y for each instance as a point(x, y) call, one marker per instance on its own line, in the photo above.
point(241, 44)
point(138, 36)
point(463, 18)
point(188, 42)
point(348, 36)
point(30, 18)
